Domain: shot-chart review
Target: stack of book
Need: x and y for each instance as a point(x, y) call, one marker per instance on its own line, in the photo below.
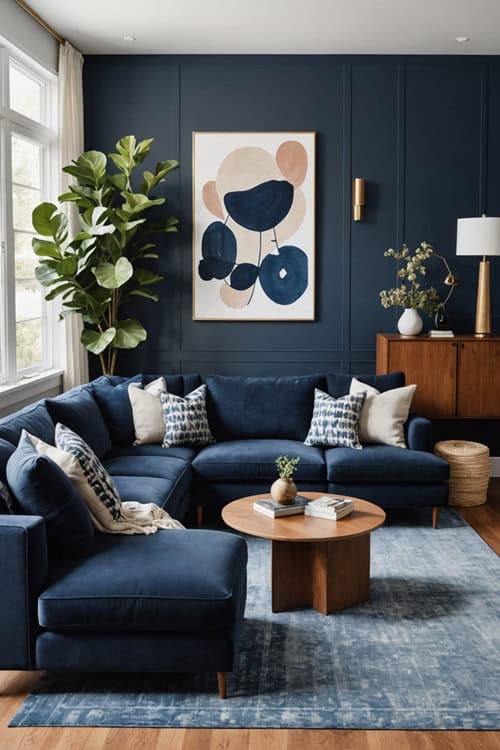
point(434, 333)
point(276, 510)
point(329, 506)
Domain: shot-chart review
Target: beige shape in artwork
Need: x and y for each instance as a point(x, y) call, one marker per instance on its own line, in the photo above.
point(235, 298)
point(291, 158)
point(244, 168)
point(212, 200)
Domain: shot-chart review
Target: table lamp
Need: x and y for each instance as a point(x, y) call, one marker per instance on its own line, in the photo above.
point(480, 236)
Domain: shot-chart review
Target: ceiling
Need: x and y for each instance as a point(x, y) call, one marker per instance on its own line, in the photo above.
point(276, 26)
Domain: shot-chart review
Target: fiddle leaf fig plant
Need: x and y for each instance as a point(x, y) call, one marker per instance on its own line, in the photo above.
point(99, 268)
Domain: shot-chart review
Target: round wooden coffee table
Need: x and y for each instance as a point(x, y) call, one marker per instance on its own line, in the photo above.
point(315, 562)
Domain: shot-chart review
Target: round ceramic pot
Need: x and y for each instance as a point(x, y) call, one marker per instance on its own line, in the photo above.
point(284, 491)
point(410, 323)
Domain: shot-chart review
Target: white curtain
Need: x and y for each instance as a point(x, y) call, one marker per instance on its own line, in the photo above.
point(76, 370)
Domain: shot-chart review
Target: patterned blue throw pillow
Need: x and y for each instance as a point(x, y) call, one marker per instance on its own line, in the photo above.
point(186, 421)
point(335, 421)
point(94, 472)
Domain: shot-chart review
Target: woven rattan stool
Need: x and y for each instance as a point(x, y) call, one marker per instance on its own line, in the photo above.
point(469, 471)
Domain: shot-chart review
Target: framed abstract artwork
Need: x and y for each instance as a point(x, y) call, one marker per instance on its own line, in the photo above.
point(253, 226)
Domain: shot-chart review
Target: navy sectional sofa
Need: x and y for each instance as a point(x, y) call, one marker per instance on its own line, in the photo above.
point(175, 601)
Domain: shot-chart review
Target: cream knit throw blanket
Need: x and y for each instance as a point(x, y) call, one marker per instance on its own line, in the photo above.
point(109, 514)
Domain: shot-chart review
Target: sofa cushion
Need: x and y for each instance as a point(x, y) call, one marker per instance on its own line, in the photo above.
point(259, 408)
point(339, 383)
point(185, 452)
point(180, 580)
point(111, 394)
point(35, 419)
point(81, 414)
point(42, 489)
point(384, 464)
point(256, 459)
point(144, 466)
point(167, 493)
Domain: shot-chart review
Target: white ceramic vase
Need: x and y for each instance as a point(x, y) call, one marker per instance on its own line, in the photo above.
point(410, 323)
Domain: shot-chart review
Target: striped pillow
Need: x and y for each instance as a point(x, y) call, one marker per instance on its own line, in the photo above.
point(186, 420)
point(335, 421)
point(96, 485)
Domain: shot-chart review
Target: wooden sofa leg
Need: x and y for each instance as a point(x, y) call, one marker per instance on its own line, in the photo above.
point(435, 514)
point(222, 683)
point(199, 515)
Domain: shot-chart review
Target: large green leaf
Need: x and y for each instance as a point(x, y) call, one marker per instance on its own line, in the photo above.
point(41, 218)
point(49, 222)
point(68, 266)
point(137, 202)
point(46, 275)
point(94, 222)
point(112, 276)
point(97, 342)
point(126, 147)
point(89, 169)
point(45, 249)
point(142, 150)
point(129, 333)
point(59, 290)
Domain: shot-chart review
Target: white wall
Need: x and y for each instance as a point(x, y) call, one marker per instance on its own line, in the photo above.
point(19, 28)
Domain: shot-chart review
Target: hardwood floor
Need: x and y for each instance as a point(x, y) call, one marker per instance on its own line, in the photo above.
point(484, 519)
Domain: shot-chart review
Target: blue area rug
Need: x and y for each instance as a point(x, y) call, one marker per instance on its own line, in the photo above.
point(423, 653)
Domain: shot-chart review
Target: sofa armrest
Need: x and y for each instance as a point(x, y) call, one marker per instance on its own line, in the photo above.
point(24, 570)
point(418, 433)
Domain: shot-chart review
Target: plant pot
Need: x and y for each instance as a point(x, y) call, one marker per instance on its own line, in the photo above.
point(410, 323)
point(284, 491)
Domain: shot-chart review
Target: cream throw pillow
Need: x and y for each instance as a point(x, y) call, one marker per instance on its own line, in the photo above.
point(147, 412)
point(383, 415)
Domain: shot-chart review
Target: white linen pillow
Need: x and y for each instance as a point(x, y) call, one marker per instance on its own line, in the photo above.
point(147, 412)
point(383, 415)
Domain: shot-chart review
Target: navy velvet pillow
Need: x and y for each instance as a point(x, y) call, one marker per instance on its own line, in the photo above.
point(339, 384)
point(114, 403)
point(41, 488)
point(179, 385)
point(256, 408)
point(81, 414)
point(33, 418)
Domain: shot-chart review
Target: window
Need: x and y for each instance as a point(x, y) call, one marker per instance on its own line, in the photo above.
point(28, 166)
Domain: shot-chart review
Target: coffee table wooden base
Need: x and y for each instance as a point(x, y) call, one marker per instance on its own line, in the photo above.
point(328, 576)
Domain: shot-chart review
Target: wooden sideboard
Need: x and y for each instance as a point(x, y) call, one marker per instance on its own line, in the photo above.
point(456, 377)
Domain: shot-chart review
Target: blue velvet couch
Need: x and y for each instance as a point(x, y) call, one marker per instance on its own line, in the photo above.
point(175, 601)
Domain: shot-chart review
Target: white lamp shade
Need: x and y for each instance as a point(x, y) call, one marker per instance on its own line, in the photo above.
point(478, 236)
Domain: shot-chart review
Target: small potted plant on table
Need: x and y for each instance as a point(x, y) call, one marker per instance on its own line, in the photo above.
point(284, 489)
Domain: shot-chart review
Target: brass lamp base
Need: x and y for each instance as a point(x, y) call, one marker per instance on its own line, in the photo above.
point(483, 309)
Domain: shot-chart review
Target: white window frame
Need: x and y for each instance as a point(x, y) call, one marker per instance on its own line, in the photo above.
point(44, 134)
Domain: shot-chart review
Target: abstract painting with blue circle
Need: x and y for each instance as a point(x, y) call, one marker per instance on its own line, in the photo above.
point(253, 237)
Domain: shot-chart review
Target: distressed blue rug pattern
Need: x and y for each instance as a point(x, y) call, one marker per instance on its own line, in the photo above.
point(423, 653)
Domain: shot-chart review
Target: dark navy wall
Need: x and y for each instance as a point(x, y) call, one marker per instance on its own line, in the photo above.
point(423, 131)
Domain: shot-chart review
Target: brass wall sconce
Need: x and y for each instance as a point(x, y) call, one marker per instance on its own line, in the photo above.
point(358, 198)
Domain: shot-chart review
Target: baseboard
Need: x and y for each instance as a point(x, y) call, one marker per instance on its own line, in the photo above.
point(495, 466)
